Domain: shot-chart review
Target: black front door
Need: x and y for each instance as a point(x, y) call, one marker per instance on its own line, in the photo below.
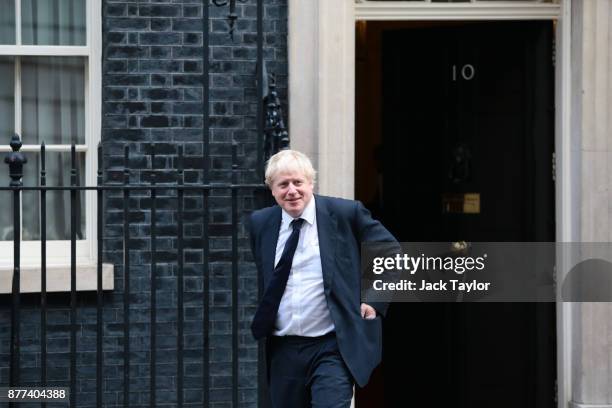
point(467, 144)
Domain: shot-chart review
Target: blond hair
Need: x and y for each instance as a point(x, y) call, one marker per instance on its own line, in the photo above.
point(288, 161)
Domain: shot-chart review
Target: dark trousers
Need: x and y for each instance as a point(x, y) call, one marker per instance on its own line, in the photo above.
point(308, 372)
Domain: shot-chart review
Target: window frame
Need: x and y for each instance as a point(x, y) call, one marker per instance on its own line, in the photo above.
point(58, 252)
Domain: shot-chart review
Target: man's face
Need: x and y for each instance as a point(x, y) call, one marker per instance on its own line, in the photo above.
point(292, 191)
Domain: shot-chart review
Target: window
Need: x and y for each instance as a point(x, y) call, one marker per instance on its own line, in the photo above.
point(50, 91)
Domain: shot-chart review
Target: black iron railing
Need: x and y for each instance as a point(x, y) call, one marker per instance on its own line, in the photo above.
point(17, 160)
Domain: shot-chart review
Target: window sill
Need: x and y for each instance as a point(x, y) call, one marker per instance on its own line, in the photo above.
point(58, 278)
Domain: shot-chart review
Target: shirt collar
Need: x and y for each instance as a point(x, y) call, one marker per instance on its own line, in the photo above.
point(308, 215)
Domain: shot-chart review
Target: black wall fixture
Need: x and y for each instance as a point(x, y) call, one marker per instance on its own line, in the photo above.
point(232, 16)
point(277, 137)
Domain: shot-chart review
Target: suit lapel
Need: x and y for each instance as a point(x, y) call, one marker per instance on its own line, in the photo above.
point(327, 227)
point(269, 239)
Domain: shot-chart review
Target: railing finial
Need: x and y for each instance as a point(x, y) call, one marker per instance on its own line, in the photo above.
point(16, 160)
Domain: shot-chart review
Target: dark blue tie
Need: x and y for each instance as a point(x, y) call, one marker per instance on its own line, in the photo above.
point(265, 316)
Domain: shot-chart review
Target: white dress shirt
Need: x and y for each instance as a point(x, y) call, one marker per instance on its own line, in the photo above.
point(303, 309)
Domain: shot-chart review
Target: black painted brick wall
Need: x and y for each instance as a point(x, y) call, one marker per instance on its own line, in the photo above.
point(152, 93)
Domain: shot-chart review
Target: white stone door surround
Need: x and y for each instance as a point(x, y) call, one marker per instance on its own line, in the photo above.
point(322, 102)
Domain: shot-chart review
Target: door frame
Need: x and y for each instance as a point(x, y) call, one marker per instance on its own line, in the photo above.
point(321, 44)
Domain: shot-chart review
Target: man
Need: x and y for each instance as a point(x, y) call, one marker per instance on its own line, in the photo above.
point(320, 338)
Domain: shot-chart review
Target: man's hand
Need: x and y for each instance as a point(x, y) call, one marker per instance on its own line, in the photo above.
point(367, 311)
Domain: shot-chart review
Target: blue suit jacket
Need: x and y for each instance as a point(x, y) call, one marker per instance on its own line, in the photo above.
point(342, 226)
